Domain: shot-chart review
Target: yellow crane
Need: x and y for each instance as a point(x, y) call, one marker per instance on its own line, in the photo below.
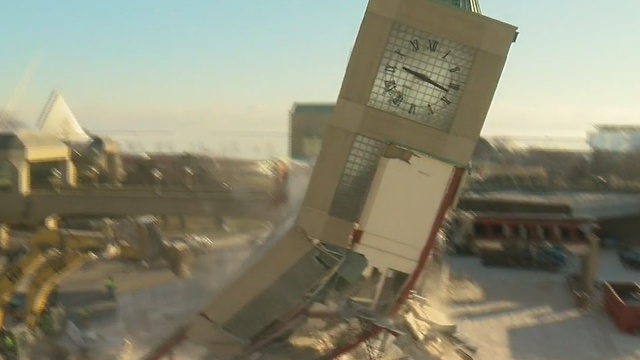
point(15, 273)
point(148, 246)
point(47, 278)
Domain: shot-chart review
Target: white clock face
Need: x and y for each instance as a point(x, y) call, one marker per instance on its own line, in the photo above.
point(421, 77)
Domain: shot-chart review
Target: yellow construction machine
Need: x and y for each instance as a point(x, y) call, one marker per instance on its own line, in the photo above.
point(51, 254)
point(47, 278)
point(144, 243)
point(37, 316)
point(15, 273)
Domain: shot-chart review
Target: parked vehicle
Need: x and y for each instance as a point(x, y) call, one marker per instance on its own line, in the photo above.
point(629, 256)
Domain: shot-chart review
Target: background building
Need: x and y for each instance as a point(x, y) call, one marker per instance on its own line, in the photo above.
point(307, 124)
point(615, 138)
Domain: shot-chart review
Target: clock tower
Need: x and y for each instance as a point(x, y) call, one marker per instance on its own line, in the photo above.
point(421, 77)
point(413, 101)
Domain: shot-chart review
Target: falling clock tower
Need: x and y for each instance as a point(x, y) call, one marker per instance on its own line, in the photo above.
point(414, 98)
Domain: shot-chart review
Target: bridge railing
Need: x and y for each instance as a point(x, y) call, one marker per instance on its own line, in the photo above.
point(142, 191)
point(566, 231)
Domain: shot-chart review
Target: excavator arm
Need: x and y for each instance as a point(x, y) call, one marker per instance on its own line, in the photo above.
point(47, 278)
point(22, 269)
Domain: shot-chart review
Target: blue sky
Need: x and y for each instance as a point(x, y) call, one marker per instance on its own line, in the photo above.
point(193, 68)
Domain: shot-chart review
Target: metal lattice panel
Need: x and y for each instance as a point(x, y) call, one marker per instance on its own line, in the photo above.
point(277, 300)
point(356, 178)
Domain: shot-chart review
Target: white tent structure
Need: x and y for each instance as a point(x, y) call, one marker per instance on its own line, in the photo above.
point(57, 119)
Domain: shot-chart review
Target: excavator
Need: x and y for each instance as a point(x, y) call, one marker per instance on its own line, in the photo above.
point(146, 244)
point(39, 316)
point(51, 254)
point(15, 273)
point(47, 278)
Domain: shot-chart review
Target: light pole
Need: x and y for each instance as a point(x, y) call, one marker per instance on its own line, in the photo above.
point(157, 176)
point(188, 177)
point(94, 175)
point(56, 179)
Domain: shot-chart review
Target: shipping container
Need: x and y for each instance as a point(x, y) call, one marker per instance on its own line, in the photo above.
point(622, 301)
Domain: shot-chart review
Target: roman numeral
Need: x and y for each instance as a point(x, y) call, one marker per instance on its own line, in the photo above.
point(415, 45)
point(430, 109)
point(455, 69)
point(400, 53)
point(397, 99)
point(453, 86)
point(389, 85)
point(447, 54)
point(390, 69)
point(433, 45)
point(445, 100)
point(412, 109)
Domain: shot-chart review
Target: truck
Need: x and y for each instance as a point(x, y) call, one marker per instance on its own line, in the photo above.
point(622, 301)
point(629, 256)
point(524, 255)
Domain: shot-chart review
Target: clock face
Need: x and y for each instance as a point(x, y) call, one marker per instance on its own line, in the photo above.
point(421, 77)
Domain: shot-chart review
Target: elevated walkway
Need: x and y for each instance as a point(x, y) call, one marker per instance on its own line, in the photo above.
point(34, 208)
point(597, 205)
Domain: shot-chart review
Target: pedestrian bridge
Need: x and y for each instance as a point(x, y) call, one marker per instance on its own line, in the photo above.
point(597, 205)
point(35, 207)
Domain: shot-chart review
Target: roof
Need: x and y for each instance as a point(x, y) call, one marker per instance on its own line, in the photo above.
point(313, 108)
point(57, 119)
point(617, 128)
point(469, 5)
point(533, 216)
point(28, 139)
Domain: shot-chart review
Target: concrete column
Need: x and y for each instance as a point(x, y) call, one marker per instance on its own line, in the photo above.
point(51, 222)
point(183, 222)
point(590, 264)
point(113, 167)
point(382, 280)
point(4, 236)
point(23, 170)
point(164, 222)
point(70, 173)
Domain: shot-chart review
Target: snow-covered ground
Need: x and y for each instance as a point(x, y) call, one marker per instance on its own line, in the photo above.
point(531, 315)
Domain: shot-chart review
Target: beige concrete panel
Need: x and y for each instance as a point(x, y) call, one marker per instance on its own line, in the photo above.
point(458, 25)
point(282, 256)
point(337, 231)
point(312, 222)
point(498, 37)
point(365, 58)
point(458, 150)
point(478, 94)
point(328, 169)
point(455, 24)
point(24, 177)
point(384, 260)
point(391, 247)
point(46, 153)
point(348, 115)
point(384, 126)
point(384, 8)
point(70, 174)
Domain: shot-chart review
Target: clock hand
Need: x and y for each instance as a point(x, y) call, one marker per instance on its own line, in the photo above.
point(425, 78)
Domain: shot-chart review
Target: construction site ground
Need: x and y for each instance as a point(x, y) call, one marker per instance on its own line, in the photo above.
point(151, 302)
point(532, 315)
